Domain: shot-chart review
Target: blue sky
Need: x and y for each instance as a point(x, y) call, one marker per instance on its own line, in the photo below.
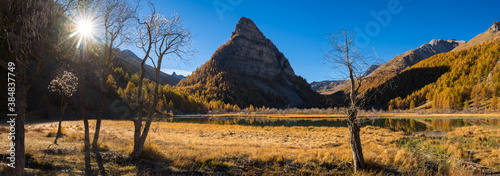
point(297, 28)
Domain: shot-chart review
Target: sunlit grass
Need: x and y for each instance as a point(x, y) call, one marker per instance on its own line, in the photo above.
point(211, 147)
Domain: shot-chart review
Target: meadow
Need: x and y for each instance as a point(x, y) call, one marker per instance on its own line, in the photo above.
point(192, 149)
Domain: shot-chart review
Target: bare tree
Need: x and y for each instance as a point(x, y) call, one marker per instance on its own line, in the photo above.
point(348, 59)
point(164, 37)
point(117, 17)
point(28, 32)
point(82, 11)
point(81, 77)
point(64, 86)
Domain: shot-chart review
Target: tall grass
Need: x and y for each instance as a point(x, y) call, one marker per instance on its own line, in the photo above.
point(275, 150)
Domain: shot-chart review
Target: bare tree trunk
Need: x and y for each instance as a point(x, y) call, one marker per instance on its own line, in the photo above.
point(59, 128)
point(138, 145)
point(141, 138)
point(352, 115)
point(107, 60)
point(20, 120)
point(138, 142)
point(25, 34)
point(88, 166)
point(357, 152)
point(95, 145)
point(22, 89)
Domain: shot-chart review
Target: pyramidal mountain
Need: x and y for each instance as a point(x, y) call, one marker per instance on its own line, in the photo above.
point(250, 53)
point(249, 70)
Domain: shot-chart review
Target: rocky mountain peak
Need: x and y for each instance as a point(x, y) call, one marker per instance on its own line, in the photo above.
point(250, 53)
point(256, 69)
point(439, 42)
point(495, 27)
point(435, 42)
point(247, 28)
point(436, 46)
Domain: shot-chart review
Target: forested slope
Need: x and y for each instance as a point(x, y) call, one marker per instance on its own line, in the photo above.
point(470, 77)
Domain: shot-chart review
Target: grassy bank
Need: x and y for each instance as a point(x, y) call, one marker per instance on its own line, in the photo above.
point(239, 150)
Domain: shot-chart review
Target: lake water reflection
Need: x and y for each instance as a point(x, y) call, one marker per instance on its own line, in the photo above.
point(405, 125)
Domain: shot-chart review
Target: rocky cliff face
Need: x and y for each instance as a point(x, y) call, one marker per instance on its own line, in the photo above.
point(250, 53)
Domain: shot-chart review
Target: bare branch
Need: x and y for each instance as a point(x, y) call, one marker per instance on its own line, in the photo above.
point(166, 37)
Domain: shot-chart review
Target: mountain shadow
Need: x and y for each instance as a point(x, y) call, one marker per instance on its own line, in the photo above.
point(402, 85)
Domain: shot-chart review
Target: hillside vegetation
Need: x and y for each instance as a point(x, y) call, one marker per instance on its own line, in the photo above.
point(470, 77)
point(211, 83)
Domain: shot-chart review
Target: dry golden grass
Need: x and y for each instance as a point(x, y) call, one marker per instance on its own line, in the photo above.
point(188, 146)
point(484, 143)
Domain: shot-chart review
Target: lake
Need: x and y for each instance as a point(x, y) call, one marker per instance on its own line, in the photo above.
point(396, 124)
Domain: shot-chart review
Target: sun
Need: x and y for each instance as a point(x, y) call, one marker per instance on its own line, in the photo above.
point(85, 28)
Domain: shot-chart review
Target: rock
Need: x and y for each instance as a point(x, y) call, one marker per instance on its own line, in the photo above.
point(495, 27)
point(250, 53)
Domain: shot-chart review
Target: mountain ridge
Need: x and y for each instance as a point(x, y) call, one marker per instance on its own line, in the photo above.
point(412, 56)
point(452, 80)
point(378, 74)
point(133, 65)
point(178, 76)
point(491, 33)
